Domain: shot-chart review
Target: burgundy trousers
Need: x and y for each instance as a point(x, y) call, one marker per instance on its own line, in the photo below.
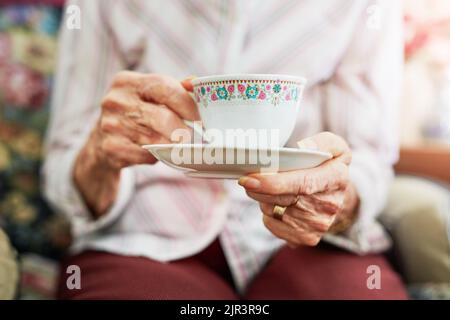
point(305, 273)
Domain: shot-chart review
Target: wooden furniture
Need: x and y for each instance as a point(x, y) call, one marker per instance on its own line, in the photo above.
point(427, 161)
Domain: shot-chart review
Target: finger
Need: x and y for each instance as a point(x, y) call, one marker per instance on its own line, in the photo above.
point(164, 121)
point(170, 92)
point(281, 200)
point(112, 123)
point(187, 83)
point(329, 203)
point(332, 175)
point(267, 209)
point(315, 222)
point(122, 152)
point(285, 232)
point(303, 221)
point(328, 142)
point(122, 109)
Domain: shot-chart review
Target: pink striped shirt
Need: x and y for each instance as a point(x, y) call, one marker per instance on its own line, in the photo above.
point(350, 52)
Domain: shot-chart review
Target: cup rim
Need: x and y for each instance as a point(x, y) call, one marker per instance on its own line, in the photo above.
point(248, 76)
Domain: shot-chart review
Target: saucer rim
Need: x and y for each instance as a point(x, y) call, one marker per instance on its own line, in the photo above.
point(280, 149)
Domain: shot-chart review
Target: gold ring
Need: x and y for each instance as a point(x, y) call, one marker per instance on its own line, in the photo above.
point(278, 212)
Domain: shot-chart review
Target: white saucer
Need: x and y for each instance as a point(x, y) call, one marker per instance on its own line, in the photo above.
point(206, 161)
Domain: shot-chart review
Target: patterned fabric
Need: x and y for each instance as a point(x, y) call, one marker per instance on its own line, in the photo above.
point(9, 271)
point(430, 291)
point(27, 58)
point(353, 70)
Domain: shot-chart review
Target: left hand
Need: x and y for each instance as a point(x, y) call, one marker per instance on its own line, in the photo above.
point(316, 199)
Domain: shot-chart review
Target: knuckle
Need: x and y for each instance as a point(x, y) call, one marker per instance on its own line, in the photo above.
point(322, 227)
point(108, 124)
point(158, 87)
point(123, 78)
point(110, 101)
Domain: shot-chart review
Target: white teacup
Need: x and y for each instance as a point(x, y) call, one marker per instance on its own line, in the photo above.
point(248, 110)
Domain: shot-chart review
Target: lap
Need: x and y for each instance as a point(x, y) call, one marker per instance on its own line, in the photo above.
point(324, 273)
point(111, 276)
point(304, 273)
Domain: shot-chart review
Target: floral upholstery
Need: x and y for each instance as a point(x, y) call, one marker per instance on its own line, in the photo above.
point(28, 43)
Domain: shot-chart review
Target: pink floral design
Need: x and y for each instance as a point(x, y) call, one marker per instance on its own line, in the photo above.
point(214, 97)
point(231, 88)
point(262, 95)
point(241, 88)
point(23, 87)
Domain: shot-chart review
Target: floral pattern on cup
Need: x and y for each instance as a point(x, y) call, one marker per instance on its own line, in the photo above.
point(274, 91)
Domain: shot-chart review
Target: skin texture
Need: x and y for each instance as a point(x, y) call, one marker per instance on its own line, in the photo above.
point(317, 199)
point(138, 109)
point(146, 108)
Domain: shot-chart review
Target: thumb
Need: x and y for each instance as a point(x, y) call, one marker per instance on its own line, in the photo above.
point(328, 142)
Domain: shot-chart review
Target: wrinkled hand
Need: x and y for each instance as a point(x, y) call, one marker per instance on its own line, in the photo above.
point(316, 198)
point(138, 109)
point(141, 109)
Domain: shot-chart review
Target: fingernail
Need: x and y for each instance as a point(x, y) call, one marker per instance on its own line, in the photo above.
point(307, 144)
point(249, 183)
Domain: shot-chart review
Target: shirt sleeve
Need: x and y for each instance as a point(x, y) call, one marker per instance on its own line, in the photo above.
point(361, 104)
point(88, 59)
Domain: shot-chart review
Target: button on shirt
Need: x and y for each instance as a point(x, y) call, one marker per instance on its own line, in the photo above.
point(350, 52)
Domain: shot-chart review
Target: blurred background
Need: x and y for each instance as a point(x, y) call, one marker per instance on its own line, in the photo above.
point(28, 44)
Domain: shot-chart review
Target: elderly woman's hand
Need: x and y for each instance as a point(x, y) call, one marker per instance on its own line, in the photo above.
point(317, 200)
point(138, 109)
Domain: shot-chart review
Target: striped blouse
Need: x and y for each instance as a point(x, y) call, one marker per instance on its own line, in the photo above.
point(349, 50)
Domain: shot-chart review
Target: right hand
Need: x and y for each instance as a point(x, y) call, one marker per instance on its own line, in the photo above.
point(139, 109)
